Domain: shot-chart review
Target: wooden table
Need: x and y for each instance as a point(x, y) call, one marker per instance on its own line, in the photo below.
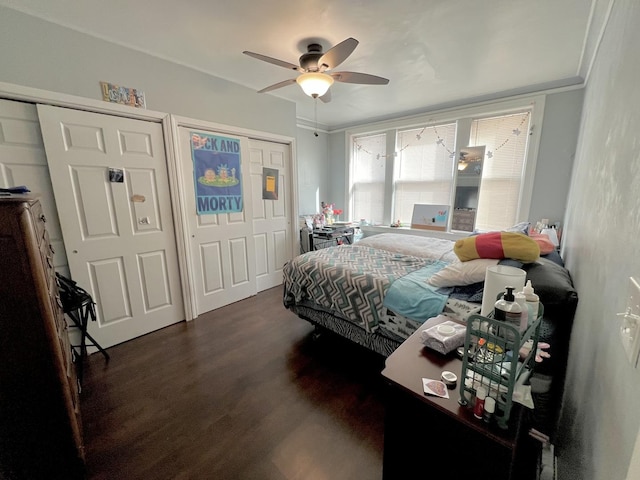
point(427, 436)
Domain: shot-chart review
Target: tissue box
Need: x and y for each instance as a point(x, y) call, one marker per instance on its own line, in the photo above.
point(445, 336)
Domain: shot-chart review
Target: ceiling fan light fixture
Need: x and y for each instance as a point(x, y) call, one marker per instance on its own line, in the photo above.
point(315, 84)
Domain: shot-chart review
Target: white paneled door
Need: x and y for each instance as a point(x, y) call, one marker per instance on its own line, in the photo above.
point(109, 176)
point(271, 215)
point(23, 162)
point(221, 245)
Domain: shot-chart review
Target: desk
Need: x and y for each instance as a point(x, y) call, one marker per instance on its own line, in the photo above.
point(328, 236)
point(438, 436)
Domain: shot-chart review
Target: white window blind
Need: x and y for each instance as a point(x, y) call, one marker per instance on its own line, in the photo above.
point(503, 168)
point(423, 170)
point(368, 178)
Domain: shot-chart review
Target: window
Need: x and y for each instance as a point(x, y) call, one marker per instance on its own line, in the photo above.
point(368, 178)
point(423, 169)
point(422, 164)
point(502, 172)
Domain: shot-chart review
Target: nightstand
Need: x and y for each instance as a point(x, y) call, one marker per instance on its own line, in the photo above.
point(431, 436)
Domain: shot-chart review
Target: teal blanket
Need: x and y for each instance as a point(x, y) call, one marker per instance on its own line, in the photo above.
point(412, 297)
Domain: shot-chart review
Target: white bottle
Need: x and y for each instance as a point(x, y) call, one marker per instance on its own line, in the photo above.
point(532, 300)
point(521, 299)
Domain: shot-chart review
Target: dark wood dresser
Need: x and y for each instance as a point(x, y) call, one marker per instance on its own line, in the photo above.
point(40, 425)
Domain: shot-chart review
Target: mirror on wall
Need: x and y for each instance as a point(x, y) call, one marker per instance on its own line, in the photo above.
point(468, 179)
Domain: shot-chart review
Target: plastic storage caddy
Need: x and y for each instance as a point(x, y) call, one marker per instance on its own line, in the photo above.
point(493, 361)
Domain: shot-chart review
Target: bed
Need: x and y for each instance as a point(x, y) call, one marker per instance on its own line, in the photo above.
point(377, 292)
point(343, 288)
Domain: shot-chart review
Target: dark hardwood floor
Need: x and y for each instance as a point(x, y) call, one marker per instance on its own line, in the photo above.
point(243, 392)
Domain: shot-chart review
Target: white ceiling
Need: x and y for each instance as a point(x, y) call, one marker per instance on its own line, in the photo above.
point(435, 53)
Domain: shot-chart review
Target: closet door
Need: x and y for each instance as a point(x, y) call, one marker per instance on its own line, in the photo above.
point(23, 162)
point(272, 210)
point(110, 181)
point(222, 250)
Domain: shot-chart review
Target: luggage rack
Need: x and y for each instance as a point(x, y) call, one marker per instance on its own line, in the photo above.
point(78, 305)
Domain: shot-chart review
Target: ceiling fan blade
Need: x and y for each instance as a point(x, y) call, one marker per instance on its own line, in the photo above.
point(274, 61)
point(362, 78)
point(326, 98)
point(338, 54)
point(277, 85)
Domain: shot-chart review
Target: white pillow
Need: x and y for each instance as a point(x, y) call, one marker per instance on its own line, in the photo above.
point(462, 273)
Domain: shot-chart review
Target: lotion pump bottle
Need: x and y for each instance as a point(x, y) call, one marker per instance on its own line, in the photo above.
point(508, 311)
point(532, 300)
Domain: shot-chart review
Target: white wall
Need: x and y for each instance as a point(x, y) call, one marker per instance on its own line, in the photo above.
point(634, 467)
point(321, 169)
point(601, 409)
point(338, 170)
point(39, 54)
point(313, 173)
point(560, 127)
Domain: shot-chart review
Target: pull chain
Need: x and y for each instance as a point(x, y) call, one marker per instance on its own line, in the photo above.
point(315, 115)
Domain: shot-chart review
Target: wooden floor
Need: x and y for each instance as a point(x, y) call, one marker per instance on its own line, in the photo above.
point(244, 392)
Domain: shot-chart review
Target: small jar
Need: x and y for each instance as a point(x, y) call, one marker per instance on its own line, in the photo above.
point(489, 409)
point(478, 408)
point(450, 379)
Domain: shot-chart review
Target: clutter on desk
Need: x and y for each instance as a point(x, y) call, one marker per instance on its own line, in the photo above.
point(434, 387)
point(442, 334)
point(450, 379)
point(460, 310)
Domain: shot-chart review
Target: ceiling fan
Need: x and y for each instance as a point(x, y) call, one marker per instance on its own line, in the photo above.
point(315, 66)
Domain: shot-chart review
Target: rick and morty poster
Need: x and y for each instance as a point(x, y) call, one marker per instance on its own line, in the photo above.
point(216, 170)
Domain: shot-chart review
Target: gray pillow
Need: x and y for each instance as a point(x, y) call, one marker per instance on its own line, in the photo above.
point(553, 284)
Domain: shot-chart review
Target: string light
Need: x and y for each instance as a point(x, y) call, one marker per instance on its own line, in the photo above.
point(516, 131)
point(440, 141)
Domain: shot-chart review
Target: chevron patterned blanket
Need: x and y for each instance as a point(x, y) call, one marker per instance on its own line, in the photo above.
point(348, 280)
